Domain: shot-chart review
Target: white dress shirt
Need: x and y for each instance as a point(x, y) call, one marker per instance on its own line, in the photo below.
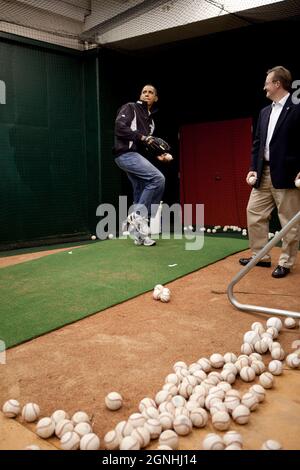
point(277, 107)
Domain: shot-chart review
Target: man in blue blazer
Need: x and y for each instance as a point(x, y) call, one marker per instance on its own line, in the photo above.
point(275, 166)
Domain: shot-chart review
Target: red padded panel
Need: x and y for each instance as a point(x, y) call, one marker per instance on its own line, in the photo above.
point(214, 161)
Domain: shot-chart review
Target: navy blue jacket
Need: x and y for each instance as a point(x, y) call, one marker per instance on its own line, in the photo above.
point(132, 122)
point(284, 146)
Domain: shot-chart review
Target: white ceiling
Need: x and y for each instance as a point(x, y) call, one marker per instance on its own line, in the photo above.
point(134, 24)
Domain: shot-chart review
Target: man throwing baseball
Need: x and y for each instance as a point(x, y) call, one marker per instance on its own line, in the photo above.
point(135, 146)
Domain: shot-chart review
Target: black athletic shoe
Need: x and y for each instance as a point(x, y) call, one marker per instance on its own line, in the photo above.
point(280, 271)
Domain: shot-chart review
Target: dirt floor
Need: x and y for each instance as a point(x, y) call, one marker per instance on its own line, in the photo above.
point(131, 348)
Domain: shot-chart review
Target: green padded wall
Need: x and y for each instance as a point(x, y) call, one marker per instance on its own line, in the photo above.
point(49, 149)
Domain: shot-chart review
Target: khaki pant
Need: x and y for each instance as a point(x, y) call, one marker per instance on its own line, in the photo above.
point(261, 203)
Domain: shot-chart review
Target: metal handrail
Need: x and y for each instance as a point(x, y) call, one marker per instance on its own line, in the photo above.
point(251, 264)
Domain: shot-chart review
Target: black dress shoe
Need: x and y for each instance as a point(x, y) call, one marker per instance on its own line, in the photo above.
point(280, 271)
point(263, 264)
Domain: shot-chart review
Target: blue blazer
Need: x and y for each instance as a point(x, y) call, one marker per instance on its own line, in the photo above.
point(284, 146)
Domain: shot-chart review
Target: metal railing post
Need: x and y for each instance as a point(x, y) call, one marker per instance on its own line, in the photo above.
point(251, 264)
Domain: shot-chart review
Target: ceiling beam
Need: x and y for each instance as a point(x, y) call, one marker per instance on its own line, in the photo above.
point(72, 9)
point(121, 18)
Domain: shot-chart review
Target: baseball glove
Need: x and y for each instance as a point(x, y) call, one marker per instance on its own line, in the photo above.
point(157, 145)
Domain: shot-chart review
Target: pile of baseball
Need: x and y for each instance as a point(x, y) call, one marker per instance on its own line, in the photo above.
point(197, 395)
point(202, 394)
point(74, 433)
point(161, 293)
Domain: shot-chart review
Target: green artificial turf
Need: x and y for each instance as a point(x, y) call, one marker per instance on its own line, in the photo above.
point(45, 294)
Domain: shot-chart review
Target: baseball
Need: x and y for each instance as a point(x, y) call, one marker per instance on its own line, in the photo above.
point(142, 434)
point(111, 440)
point(182, 410)
point(241, 414)
point(251, 337)
point(156, 294)
point(11, 408)
point(45, 427)
point(181, 373)
point(182, 425)
point(80, 417)
point(30, 412)
point(169, 438)
point(266, 380)
point(199, 375)
point(172, 378)
point(230, 357)
point(123, 429)
point(228, 376)
point(290, 322)
point(221, 420)
point(63, 426)
point(233, 437)
point(70, 441)
point(273, 332)
point(217, 406)
point(275, 367)
point(259, 391)
point(136, 420)
point(146, 403)
point(258, 327)
point(154, 427)
point(270, 444)
point(185, 389)
point(255, 357)
point(261, 346)
point(250, 400)
point(217, 360)
point(113, 401)
point(199, 417)
point(277, 353)
point(129, 443)
point(231, 367)
point(167, 407)
point(178, 400)
point(179, 365)
point(83, 428)
point(297, 183)
point(151, 412)
point(93, 237)
point(111, 236)
point(247, 374)
point(89, 441)
point(161, 396)
point(166, 420)
point(197, 398)
point(205, 364)
point(213, 442)
point(247, 348)
point(165, 295)
point(157, 291)
point(224, 386)
point(159, 287)
point(293, 361)
point(275, 322)
point(59, 415)
point(194, 367)
point(252, 180)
